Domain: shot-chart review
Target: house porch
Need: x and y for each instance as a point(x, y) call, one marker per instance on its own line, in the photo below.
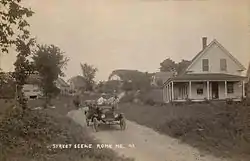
point(201, 90)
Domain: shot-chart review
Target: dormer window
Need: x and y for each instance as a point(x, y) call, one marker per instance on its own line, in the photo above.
point(205, 65)
point(223, 64)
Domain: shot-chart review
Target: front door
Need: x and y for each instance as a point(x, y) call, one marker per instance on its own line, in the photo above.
point(215, 90)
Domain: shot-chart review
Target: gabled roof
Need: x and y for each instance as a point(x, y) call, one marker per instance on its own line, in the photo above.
point(77, 81)
point(62, 82)
point(163, 75)
point(127, 75)
point(223, 49)
point(33, 78)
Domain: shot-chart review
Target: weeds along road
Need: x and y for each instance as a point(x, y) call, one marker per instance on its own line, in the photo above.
point(149, 145)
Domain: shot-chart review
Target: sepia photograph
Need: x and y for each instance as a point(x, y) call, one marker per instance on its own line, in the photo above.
point(124, 80)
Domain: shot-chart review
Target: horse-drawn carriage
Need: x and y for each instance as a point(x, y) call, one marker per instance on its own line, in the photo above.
point(104, 114)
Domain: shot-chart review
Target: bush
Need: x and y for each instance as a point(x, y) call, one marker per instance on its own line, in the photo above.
point(26, 136)
point(150, 102)
point(127, 98)
point(229, 101)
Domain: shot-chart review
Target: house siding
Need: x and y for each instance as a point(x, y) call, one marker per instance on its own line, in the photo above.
point(214, 54)
point(31, 90)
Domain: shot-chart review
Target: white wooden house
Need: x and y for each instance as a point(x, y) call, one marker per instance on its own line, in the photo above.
point(213, 74)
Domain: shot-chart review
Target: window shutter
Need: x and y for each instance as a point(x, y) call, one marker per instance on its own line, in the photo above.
point(223, 64)
point(205, 65)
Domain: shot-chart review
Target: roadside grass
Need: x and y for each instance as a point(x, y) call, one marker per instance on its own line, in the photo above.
point(218, 129)
point(27, 137)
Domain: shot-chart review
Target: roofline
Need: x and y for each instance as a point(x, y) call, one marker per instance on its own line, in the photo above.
point(223, 48)
point(199, 54)
point(230, 55)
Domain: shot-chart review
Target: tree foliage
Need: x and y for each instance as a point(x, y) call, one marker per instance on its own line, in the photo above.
point(7, 85)
point(23, 67)
point(49, 61)
point(13, 23)
point(168, 65)
point(109, 86)
point(89, 73)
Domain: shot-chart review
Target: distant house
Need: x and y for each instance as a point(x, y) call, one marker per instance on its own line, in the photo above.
point(160, 77)
point(125, 75)
point(77, 84)
point(115, 78)
point(31, 89)
point(213, 74)
point(136, 79)
point(63, 86)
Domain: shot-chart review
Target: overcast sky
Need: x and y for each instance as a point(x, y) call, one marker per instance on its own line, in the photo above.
point(137, 34)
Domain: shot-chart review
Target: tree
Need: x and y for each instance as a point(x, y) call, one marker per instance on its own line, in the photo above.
point(89, 73)
point(127, 86)
point(7, 85)
point(23, 68)
point(181, 66)
point(49, 61)
point(13, 24)
point(169, 65)
point(13, 31)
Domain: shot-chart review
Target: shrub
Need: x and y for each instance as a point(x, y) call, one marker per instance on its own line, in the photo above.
point(229, 101)
point(127, 98)
point(150, 102)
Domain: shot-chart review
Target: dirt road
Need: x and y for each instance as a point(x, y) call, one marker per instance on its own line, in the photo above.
point(149, 145)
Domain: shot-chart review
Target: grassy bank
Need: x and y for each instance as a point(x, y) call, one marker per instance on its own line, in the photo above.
point(26, 137)
point(222, 130)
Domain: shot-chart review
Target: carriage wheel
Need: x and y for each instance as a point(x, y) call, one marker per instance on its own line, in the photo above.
point(123, 124)
point(95, 124)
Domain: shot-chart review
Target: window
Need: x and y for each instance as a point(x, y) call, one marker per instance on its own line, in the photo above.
point(223, 64)
point(205, 65)
point(200, 89)
point(230, 87)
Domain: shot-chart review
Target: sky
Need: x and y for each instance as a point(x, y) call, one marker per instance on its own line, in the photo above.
point(137, 34)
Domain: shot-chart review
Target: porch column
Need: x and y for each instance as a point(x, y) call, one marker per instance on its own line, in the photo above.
point(163, 94)
point(225, 89)
point(190, 90)
point(208, 97)
point(172, 90)
point(167, 93)
point(243, 89)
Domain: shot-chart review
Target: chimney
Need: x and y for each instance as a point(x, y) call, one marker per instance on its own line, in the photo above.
point(204, 42)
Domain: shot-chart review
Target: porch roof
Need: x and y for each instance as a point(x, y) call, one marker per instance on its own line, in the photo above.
point(207, 77)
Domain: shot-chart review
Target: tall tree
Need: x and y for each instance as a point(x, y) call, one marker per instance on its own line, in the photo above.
point(13, 31)
point(23, 68)
point(13, 23)
point(89, 73)
point(49, 61)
